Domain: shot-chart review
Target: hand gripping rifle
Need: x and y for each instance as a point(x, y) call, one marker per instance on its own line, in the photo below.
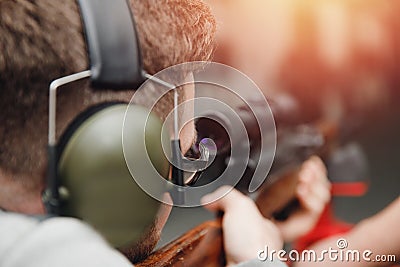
point(296, 142)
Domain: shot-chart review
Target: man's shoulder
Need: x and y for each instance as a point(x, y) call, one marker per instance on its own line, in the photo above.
point(29, 241)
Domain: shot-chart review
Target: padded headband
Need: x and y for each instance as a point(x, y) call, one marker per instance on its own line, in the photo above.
point(111, 37)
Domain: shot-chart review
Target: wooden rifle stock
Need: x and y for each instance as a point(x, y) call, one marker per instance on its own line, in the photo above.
point(203, 245)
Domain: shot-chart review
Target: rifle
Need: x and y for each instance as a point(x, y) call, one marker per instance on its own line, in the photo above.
point(203, 245)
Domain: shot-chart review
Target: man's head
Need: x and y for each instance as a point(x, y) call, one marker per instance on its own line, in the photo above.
point(41, 40)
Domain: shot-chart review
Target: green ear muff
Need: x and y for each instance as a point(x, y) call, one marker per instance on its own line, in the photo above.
point(95, 182)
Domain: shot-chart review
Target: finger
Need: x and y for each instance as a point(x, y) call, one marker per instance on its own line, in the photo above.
point(316, 200)
point(319, 163)
point(306, 180)
point(322, 192)
point(312, 173)
point(306, 174)
point(320, 170)
point(222, 199)
point(317, 189)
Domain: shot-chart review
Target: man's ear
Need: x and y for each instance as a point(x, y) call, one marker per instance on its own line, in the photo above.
point(15, 196)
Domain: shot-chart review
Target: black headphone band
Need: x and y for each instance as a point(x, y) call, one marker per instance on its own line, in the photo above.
point(112, 43)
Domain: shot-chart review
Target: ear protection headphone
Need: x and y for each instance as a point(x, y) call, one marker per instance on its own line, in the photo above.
point(87, 174)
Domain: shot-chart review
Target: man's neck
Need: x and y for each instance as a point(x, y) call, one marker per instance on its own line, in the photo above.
point(16, 197)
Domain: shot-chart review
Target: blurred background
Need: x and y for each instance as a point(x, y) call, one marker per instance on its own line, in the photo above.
point(335, 58)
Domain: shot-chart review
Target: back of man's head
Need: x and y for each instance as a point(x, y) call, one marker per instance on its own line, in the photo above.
point(41, 40)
